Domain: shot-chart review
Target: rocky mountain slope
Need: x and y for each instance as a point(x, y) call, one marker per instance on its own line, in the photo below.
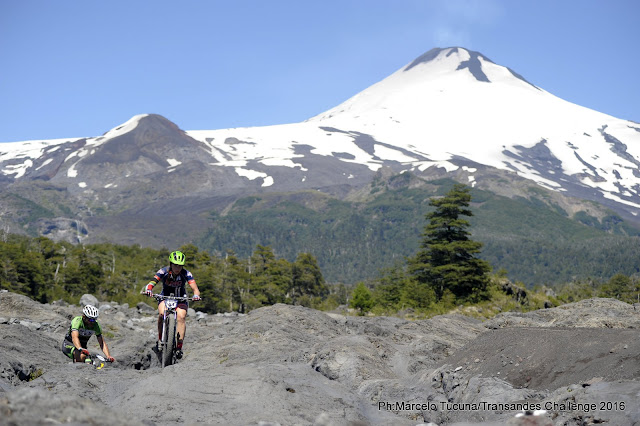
point(449, 112)
point(573, 365)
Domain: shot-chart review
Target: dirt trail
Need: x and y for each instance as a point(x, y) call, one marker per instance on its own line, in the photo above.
point(291, 365)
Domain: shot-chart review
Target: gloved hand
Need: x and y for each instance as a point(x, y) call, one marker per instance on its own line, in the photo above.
point(110, 359)
point(85, 352)
point(196, 297)
point(149, 289)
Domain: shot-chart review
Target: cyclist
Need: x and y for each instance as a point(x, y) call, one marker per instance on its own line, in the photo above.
point(174, 279)
point(82, 328)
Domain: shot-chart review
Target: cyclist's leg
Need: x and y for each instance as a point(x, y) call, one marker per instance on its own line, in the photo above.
point(182, 324)
point(160, 315)
point(69, 350)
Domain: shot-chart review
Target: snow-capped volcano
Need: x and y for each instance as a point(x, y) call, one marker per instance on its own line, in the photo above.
point(450, 110)
point(450, 104)
point(454, 102)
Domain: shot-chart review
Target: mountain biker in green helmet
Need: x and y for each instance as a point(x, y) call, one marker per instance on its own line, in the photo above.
point(82, 328)
point(174, 279)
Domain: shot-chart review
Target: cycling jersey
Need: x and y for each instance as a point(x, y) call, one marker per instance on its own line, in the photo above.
point(174, 284)
point(85, 331)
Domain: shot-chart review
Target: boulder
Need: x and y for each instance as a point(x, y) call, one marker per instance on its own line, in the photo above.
point(89, 299)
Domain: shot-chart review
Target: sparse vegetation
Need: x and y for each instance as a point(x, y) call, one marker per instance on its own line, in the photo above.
point(35, 374)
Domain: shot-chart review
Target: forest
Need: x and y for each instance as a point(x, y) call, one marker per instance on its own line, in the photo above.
point(46, 271)
point(537, 243)
point(446, 273)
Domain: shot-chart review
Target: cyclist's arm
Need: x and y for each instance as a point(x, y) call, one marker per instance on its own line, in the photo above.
point(156, 278)
point(103, 346)
point(75, 338)
point(194, 287)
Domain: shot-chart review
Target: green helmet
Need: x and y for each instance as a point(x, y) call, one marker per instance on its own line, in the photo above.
point(177, 257)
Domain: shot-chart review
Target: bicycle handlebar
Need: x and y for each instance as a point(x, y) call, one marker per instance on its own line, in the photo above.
point(160, 297)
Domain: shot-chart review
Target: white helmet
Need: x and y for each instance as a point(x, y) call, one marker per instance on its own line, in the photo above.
point(90, 311)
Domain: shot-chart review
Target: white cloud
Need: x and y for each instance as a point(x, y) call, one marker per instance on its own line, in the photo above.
point(445, 36)
point(453, 21)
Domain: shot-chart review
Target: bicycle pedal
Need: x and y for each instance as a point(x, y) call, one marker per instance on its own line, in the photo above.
point(179, 354)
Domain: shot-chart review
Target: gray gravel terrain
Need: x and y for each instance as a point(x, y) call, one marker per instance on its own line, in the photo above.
point(572, 365)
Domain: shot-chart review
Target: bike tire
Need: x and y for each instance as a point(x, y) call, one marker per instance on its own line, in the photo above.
point(170, 336)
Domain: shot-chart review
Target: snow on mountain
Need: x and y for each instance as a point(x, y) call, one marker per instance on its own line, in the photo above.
point(17, 157)
point(457, 103)
point(448, 108)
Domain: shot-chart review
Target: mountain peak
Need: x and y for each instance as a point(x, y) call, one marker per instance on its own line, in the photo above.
point(467, 58)
point(461, 59)
point(126, 127)
point(452, 75)
point(146, 135)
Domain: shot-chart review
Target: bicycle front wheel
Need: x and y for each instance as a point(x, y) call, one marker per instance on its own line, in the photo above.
point(170, 336)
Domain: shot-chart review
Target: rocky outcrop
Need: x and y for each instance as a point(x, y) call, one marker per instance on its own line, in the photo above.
point(572, 365)
point(591, 313)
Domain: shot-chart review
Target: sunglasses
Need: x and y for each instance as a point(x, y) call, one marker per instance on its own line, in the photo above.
point(91, 319)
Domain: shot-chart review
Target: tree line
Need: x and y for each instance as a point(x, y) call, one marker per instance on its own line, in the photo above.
point(46, 271)
point(446, 272)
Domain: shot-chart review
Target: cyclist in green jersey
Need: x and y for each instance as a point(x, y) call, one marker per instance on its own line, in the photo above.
point(82, 328)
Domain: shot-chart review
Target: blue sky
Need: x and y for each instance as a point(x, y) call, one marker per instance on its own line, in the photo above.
point(79, 68)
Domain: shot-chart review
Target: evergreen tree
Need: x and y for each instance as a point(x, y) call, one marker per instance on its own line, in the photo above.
point(361, 299)
point(446, 259)
point(308, 281)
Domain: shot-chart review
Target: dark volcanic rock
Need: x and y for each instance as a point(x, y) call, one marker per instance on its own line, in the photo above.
point(291, 365)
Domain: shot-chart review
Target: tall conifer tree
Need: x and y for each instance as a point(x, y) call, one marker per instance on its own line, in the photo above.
point(447, 258)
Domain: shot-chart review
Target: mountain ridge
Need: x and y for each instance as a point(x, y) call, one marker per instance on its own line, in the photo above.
point(450, 113)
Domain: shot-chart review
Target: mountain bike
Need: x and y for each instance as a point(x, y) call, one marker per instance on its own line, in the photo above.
point(96, 360)
point(168, 343)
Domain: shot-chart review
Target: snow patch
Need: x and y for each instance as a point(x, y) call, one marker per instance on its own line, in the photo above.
point(72, 172)
point(18, 169)
point(250, 174)
point(128, 126)
point(29, 151)
point(391, 154)
point(614, 197)
point(44, 164)
point(424, 165)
